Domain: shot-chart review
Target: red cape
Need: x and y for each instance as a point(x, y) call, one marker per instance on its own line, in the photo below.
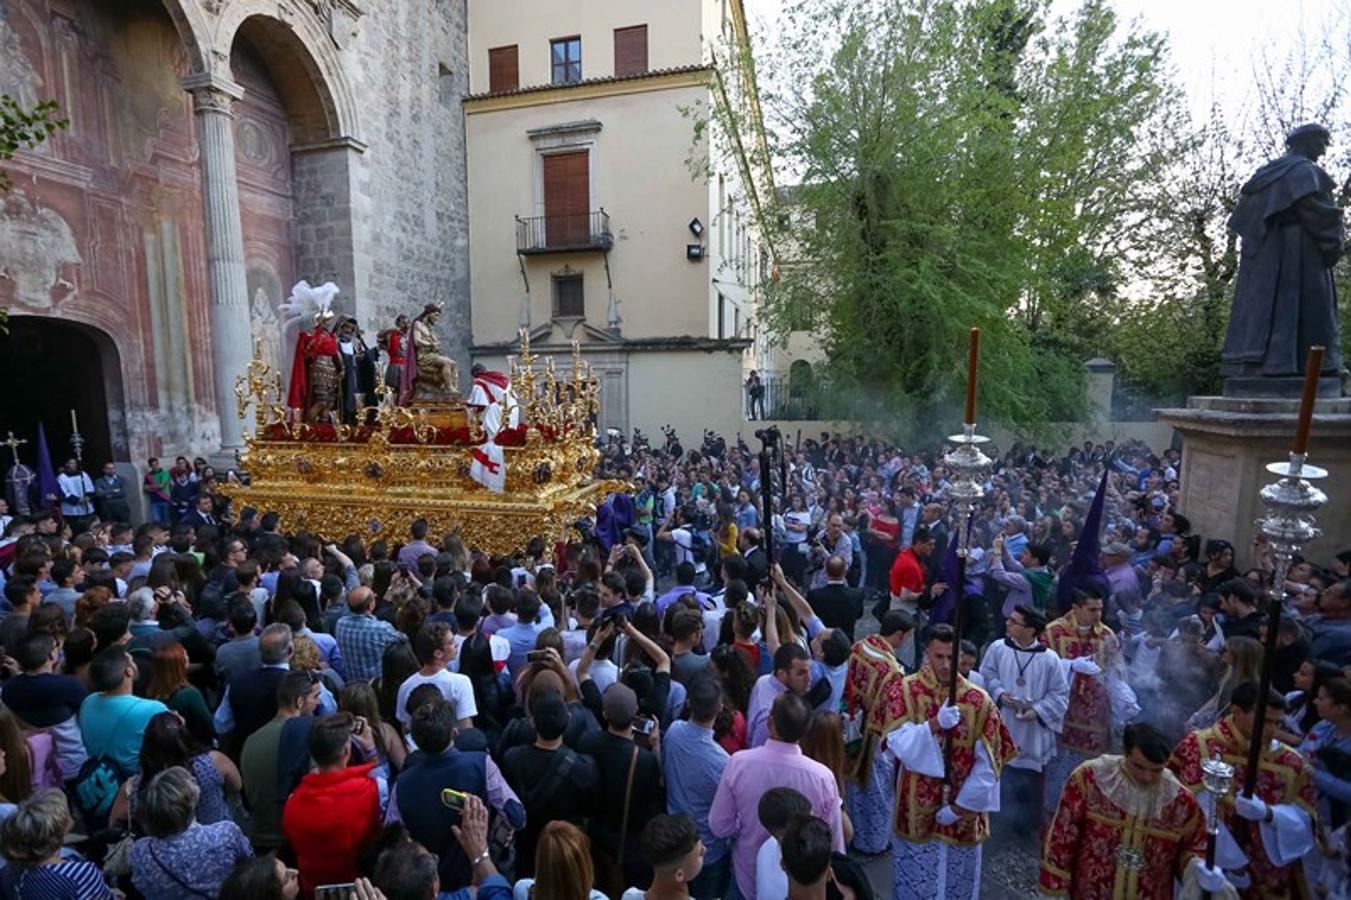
point(324, 345)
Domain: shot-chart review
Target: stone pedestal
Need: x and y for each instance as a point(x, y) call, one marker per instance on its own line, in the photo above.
point(1227, 443)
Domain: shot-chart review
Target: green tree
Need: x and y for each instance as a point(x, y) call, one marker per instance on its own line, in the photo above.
point(964, 162)
point(22, 128)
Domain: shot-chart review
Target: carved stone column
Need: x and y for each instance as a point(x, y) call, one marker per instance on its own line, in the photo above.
point(213, 101)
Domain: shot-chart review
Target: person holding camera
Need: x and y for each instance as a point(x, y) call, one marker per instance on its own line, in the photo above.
point(628, 757)
point(688, 531)
point(337, 809)
point(429, 797)
point(832, 542)
point(552, 780)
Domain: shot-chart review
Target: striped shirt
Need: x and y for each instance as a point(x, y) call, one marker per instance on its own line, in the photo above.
point(692, 764)
point(62, 881)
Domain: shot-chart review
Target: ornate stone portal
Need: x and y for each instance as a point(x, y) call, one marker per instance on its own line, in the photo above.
point(375, 481)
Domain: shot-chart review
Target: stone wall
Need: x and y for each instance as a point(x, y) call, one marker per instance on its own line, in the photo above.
point(349, 149)
point(409, 70)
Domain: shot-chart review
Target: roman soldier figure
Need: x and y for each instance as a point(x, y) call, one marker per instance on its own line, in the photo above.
point(316, 372)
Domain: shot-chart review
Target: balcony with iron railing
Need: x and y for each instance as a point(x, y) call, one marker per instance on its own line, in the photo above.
point(568, 233)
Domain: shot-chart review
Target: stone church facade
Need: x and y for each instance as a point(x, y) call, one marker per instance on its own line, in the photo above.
point(217, 152)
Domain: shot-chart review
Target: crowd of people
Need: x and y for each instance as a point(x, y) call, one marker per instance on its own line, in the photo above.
point(682, 699)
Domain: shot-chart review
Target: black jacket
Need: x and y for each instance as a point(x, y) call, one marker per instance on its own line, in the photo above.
point(838, 606)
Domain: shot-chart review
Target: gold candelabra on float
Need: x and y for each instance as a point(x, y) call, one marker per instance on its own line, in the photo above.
point(402, 463)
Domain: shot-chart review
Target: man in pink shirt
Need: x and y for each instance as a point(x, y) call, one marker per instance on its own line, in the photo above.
point(779, 763)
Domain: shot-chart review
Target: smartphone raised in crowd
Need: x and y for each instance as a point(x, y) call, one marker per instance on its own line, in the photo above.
point(335, 891)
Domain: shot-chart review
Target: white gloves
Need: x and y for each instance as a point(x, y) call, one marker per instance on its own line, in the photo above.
point(1251, 808)
point(945, 816)
point(1209, 879)
point(948, 716)
point(1086, 666)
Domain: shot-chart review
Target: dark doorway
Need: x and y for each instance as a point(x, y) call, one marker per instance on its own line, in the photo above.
point(49, 368)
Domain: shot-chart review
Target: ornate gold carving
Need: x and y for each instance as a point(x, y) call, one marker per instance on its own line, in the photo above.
point(414, 462)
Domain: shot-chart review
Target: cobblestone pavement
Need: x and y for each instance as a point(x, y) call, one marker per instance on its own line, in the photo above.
point(1008, 868)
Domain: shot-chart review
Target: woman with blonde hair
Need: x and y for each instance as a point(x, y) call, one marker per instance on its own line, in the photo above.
point(31, 841)
point(563, 869)
point(1242, 657)
point(305, 657)
point(180, 856)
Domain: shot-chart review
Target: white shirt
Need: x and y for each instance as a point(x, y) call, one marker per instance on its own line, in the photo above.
point(603, 672)
point(1044, 686)
point(684, 541)
point(770, 878)
point(801, 518)
point(78, 486)
point(499, 647)
point(456, 688)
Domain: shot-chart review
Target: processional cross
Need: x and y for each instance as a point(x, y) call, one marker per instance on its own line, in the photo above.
point(13, 444)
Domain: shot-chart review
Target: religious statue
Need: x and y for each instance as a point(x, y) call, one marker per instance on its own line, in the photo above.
point(491, 395)
point(266, 328)
point(19, 480)
point(316, 369)
point(358, 369)
point(427, 373)
point(1285, 300)
point(391, 340)
point(316, 372)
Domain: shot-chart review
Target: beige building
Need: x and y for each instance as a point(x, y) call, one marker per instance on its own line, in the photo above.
point(790, 360)
point(610, 204)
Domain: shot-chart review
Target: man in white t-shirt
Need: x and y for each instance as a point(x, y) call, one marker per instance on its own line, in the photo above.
point(689, 546)
point(778, 807)
point(434, 647)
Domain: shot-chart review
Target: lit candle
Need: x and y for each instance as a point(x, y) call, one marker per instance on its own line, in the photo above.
point(74, 426)
point(1311, 372)
point(972, 361)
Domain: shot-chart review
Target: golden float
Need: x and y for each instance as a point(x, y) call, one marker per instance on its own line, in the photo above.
point(406, 463)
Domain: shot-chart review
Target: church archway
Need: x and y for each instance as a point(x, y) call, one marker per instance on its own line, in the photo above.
point(51, 367)
point(294, 172)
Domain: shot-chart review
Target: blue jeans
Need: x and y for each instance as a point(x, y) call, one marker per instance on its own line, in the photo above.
point(713, 880)
point(160, 511)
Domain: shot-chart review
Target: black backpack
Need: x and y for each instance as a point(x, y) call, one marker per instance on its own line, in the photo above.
point(95, 787)
point(701, 546)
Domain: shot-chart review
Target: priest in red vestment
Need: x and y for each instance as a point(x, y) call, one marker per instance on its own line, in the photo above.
point(941, 822)
point(1263, 838)
point(1126, 829)
point(1090, 657)
point(871, 787)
